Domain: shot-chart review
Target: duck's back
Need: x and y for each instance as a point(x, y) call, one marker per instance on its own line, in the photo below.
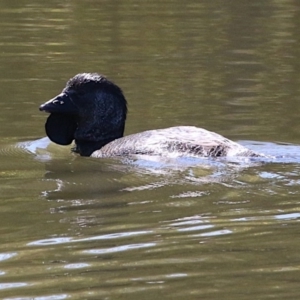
point(174, 142)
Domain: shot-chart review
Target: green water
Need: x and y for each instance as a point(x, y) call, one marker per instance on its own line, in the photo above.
point(82, 228)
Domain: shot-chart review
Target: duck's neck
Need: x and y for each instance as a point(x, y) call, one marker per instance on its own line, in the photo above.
point(93, 135)
point(86, 148)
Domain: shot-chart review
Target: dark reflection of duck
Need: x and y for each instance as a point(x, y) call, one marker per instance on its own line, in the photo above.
point(92, 111)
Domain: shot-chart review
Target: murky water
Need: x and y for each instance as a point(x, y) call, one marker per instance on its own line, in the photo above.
point(83, 228)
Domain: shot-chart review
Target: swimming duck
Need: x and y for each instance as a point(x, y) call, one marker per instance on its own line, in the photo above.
point(91, 110)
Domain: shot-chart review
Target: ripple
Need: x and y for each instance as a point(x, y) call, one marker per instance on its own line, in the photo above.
point(10, 285)
point(76, 266)
point(54, 241)
point(52, 297)
point(177, 275)
point(5, 256)
point(287, 216)
point(290, 216)
point(194, 228)
point(120, 248)
point(216, 233)
point(64, 240)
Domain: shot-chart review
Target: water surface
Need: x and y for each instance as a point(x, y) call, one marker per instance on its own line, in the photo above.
point(83, 228)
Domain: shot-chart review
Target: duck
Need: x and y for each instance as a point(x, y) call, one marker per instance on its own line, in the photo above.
point(91, 110)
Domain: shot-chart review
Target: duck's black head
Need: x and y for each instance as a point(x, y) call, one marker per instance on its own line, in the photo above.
point(90, 110)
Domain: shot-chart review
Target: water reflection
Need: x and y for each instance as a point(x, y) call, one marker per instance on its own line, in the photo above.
point(5, 256)
point(141, 173)
point(11, 285)
point(94, 238)
point(119, 248)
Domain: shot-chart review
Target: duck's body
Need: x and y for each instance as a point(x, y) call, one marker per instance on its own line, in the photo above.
point(174, 142)
point(92, 111)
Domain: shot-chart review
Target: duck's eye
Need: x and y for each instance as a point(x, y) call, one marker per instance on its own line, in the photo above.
point(58, 102)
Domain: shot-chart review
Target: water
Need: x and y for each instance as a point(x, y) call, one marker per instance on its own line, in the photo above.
point(142, 228)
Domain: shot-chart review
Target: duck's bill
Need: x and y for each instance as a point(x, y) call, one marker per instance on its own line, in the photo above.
point(62, 123)
point(62, 103)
